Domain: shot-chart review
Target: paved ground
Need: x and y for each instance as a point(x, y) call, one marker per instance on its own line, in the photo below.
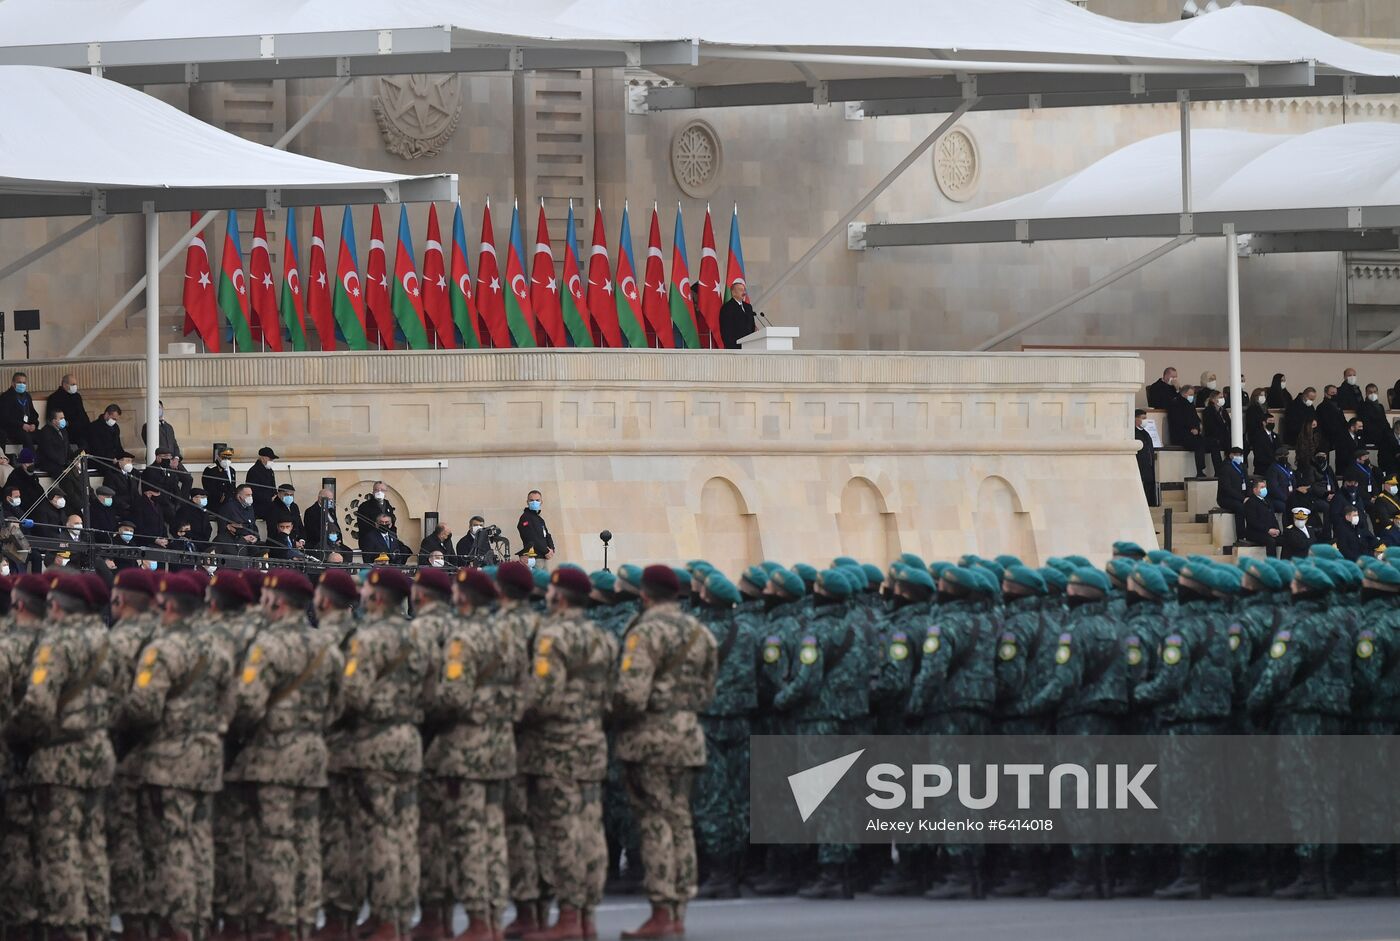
point(871, 919)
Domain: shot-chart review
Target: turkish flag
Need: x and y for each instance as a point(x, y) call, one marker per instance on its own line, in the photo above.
point(600, 287)
point(435, 302)
point(711, 291)
point(489, 301)
point(656, 309)
point(262, 294)
point(201, 306)
point(544, 287)
point(379, 325)
point(318, 288)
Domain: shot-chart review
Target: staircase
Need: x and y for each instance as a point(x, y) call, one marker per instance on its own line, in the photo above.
point(1190, 535)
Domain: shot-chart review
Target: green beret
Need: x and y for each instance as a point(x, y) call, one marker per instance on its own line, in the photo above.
point(1130, 550)
point(1160, 556)
point(936, 569)
point(755, 576)
point(1151, 578)
point(699, 566)
point(1079, 562)
point(844, 561)
point(789, 582)
point(603, 581)
point(1392, 555)
point(1366, 561)
point(1055, 580)
point(855, 575)
point(1006, 561)
point(721, 587)
point(963, 577)
point(1026, 577)
point(1384, 573)
point(806, 572)
point(913, 576)
point(968, 560)
point(541, 578)
point(1120, 567)
point(1090, 577)
point(683, 577)
point(1312, 576)
point(770, 566)
point(1324, 551)
point(1169, 574)
point(911, 560)
point(996, 568)
point(1226, 580)
point(631, 574)
point(571, 565)
point(873, 575)
point(1284, 570)
point(1176, 563)
point(1346, 574)
point(1262, 572)
point(1062, 565)
point(835, 582)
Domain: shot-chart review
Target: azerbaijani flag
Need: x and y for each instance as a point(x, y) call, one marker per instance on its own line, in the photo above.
point(348, 301)
point(629, 304)
point(519, 314)
point(233, 288)
point(682, 307)
point(290, 303)
point(406, 295)
point(459, 292)
point(573, 303)
point(734, 269)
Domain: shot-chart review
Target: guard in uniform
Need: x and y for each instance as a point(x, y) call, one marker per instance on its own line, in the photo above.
point(18, 874)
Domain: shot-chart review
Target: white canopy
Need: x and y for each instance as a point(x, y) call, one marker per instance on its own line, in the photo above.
point(728, 51)
point(1344, 178)
point(70, 143)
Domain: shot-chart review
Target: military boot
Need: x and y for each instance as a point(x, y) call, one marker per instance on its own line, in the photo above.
point(722, 881)
point(569, 927)
point(659, 925)
point(1082, 883)
point(338, 927)
point(678, 920)
point(479, 928)
point(778, 882)
point(963, 882)
point(525, 920)
point(1310, 883)
point(433, 926)
point(382, 929)
point(1190, 882)
point(899, 879)
point(831, 884)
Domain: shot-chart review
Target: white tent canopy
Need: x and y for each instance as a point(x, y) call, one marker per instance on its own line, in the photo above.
point(71, 143)
point(1344, 178)
point(726, 51)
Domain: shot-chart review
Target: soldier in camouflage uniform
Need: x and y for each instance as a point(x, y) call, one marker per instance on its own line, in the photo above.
point(62, 720)
point(175, 709)
point(28, 599)
point(385, 672)
point(433, 618)
point(284, 696)
point(472, 706)
point(722, 793)
point(562, 750)
point(1305, 689)
point(666, 676)
point(618, 601)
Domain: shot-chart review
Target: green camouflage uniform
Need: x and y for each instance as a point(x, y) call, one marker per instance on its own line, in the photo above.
point(722, 793)
point(897, 665)
point(619, 826)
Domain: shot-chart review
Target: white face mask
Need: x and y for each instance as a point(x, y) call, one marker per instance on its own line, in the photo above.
point(126, 468)
point(111, 422)
point(225, 463)
point(5, 568)
point(1301, 524)
point(75, 529)
point(1282, 384)
point(246, 501)
point(60, 561)
point(1351, 380)
point(379, 494)
point(151, 564)
point(14, 501)
point(530, 561)
point(1311, 403)
point(60, 503)
point(475, 530)
point(1212, 385)
point(73, 389)
point(437, 563)
point(1261, 399)
point(211, 569)
point(1373, 397)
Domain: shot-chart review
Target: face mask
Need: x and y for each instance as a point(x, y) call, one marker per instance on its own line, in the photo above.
point(286, 499)
point(1353, 520)
point(1189, 398)
point(530, 562)
point(330, 504)
point(1392, 490)
point(224, 463)
point(1236, 459)
point(246, 501)
point(1373, 397)
point(21, 387)
point(105, 501)
point(1172, 381)
point(76, 529)
point(534, 505)
point(379, 494)
point(73, 389)
point(5, 569)
point(201, 501)
point(475, 530)
point(111, 422)
point(332, 537)
point(1212, 385)
point(62, 423)
point(160, 413)
point(150, 565)
point(1311, 403)
point(1351, 380)
point(125, 537)
point(269, 463)
point(1261, 399)
point(1263, 492)
point(1282, 384)
point(14, 501)
point(60, 503)
point(437, 563)
point(211, 569)
point(126, 468)
point(1301, 524)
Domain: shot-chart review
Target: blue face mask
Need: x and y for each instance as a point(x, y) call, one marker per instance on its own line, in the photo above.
point(534, 505)
point(333, 537)
point(1263, 492)
point(62, 423)
point(287, 499)
point(1236, 459)
point(125, 537)
point(21, 387)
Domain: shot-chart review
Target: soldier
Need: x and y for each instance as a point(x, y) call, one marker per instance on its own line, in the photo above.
point(666, 676)
point(284, 696)
point(722, 793)
point(63, 720)
point(27, 596)
point(432, 620)
point(175, 709)
point(616, 602)
point(473, 706)
point(385, 670)
point(563, 753)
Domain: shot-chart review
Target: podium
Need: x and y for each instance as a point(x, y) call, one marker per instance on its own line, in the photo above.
point(770, 338)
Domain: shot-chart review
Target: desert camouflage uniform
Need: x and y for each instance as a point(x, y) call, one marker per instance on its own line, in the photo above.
point(130, 899)
point(432, 622)
point(342, 884)
point(666, 675)
point(17, 875)
point(234, 814)
point(522, 859)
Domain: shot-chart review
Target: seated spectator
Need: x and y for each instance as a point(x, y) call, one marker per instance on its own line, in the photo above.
point(1332, 423)
point(1146, 459)
point(1278, 393)
point(180, 541)
point(1209, 383)
point(1349, 392)
point(126, 539)
point(1389, 449)
point(1360, 469)
point(382, 544)
point(1186, 432)
point(104, 439)
point(319, 526)
point(125, 483)
point(55, 452)
point(263, 480)
point(240, 509)
point(18, 418)
point(1308, 445)
point(68, 400)
point(24, 479)
point(1281, 480)
point(1390, 537)
point(368, 513)
point(1231, 488)
point(1375, 425)
point(1161, 393)
point(102, 516)
point(1297, 539)
point(166, 437)
point(435, 559)
point(235, 539)
point(195, 517)
point(50, 515)
point(1303, 407)
point(282, 543)
point(219, 479)
point(146, 514)
point(1346, 500)
point(1260, 524)
point(1386, 505)
point(440, 540)
point(285, 509)
point(1351, 538)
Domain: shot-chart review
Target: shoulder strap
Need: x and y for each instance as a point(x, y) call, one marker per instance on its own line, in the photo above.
point(86, 680)
point(296, 682)
point(201, 666)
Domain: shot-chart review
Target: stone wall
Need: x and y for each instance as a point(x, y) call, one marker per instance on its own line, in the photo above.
point(735, 457)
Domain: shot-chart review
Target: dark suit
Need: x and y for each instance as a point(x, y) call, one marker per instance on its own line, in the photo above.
point(166, 440)
point(1182, 421)
point(53, 452)
point(374, 543)
point(1349, 397)
point(105, 443)
point(1354, 541)
point(1160, 394)
point(1230, 493)
point(431, 544)
point(71, 405)
point(1332, 424)
point(220, 484)
point(736, 321)
point(278, 512)
point(316, 524)
point(29, 487)
point(1296, 543)
point(368, 513)
point(16, 411)
point(1280, 479)
point(1147, 465)
point(1258, 520)
point(264, 483)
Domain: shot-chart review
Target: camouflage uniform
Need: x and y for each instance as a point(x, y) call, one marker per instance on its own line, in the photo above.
point(1376, 711)
point(235, 817)
point(562, 751)
point(722, 793)
point(17, 873)
point(342, 881)
point(472, 706)
point(619, 826)
point(385, 672)
point(177, 703)
point(523, 859)
point(64, 717)
point(282, 705)
point(432, 621)
point(130, 898)
point(666, 675)
point(897, 666)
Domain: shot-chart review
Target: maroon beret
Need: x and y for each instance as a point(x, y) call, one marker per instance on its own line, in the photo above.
point(392, 579)
point(71, 584)
point(255, 578)
point(340, 582)
point(434, 580)
point(517, 575)
point(661, 577)
point(178, 583)
point(288, 580)
point(137, 580)
point(477, 582)
point(99, 595)
point(231, 584)
point(31, 584)
point(200, 574)
point(574, 580)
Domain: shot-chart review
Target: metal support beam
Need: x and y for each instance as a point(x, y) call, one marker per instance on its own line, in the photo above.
point(866, 200)
point(106, 319)
point(1184, 103)
point(1094, 288)
point(152, 332)
point(1384, 341)
point(56, 242)
point(1232, 312)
